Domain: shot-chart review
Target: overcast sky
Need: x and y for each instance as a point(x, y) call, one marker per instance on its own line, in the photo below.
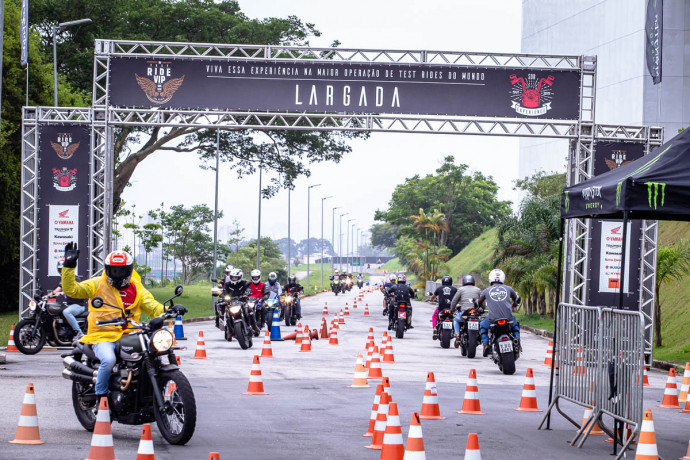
point(363, 181)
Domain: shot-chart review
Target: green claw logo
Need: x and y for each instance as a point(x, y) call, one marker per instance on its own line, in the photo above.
point(618, 193)
point(655, 186)
point(567, 202)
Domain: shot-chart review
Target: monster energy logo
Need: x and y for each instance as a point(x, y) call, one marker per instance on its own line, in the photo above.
point(618, 193)
point(567, 202)
point(655, 187)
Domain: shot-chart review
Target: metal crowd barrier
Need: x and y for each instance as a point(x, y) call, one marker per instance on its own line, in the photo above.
point(598, 362)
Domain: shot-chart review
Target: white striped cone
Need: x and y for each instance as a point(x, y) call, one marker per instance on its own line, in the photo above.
point(256, 384)
point(145, 451)
point(472, 451)
point(393, 447)
point(685, 385)
point(375, 367)
point(371, 334)
point(300, 336)
point(471, 404)
point(646, 445)
point(528, 401)
point(414, 449)
point(11, 346)
point(670, 399)
point(102, 439)
point(430, 407)
point(374, 411)
point(27, 428)
point(267, 350)
point(360, 378)
point(370, 353)
point(380, 425)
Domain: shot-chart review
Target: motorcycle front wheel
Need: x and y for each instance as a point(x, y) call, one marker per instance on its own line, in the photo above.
point(24, 341)
point(228, 332)
point(445, 338)
point(288, 315)
point(177, 420)
point(243, 336)
point(84, 410)
point(269, 321)
point(400, 328)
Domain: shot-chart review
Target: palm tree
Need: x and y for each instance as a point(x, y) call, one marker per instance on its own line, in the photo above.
point(672, 264)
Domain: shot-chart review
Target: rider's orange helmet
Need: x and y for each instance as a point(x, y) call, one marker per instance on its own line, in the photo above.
point(119, 266)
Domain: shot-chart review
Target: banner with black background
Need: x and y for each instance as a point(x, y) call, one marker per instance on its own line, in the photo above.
point(607, 238)
point(63, 198)
point(344, 87)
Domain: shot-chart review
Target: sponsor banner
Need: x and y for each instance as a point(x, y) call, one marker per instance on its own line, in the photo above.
point(63, 199)
point(349, 87)
point(654, 34)
point(607, 236)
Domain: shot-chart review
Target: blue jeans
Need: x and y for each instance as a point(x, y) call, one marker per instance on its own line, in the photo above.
point(486, 324)
point(105, 351)
point(70, 312)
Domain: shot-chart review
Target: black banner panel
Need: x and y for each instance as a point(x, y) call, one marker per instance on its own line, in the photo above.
point(606, 245)
point(63, 198)
point(344, 87)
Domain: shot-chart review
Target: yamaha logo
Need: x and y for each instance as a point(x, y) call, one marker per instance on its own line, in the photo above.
point(158, 84)
point(64, 146)
point(531, 96)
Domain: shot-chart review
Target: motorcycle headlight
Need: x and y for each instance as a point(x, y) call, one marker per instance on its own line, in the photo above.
point(288, 299)
point(32, 305)
point(162, 340)
point(235, 308)
point(227, 297)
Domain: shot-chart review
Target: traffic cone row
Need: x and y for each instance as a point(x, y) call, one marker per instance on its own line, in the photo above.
point(200, 352)
point(670, 399)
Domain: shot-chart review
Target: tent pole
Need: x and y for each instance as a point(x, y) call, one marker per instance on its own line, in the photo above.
point(555, 315)
point(623, 261)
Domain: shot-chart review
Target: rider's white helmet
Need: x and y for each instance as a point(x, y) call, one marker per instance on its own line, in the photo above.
point(235, 275)
point(228, 269)
point(497, 276)
point(392, 278)
point(256, 276)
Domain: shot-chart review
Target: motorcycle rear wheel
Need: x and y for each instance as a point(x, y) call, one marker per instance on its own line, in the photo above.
point(400, 328)
point(21, 337)
point(445, 338)
point(507, 363)
point(471, 344)
point(178, 421)
point(85, 411)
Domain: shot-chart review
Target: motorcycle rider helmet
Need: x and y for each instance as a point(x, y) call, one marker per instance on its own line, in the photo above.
point(447, 280)
point(119, 266)
point(228, 269)
point(392, 278)
point(497, 276)
point(402, 279)
point(292, 279)
point(235, 275)
point(256, 276)
point(337, 272)
point(272, 278)
point(468, 280)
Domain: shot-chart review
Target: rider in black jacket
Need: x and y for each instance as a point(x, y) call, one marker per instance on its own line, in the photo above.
point(294, 287)
point(402, 293)
point(238, 288)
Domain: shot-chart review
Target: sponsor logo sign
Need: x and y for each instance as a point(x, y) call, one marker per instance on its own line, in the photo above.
point(63, 227)
point(64, 179)
point(610, 253)
point(64, 147)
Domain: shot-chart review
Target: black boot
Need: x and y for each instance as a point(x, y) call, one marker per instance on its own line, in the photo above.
point(487, 349)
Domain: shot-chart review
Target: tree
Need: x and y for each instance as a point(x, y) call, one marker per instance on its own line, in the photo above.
point(286, 152)
point(383, 235)
point(151, 237)
point(236, 235)
point(271, 259)
point(542, 184)
point(672, 264)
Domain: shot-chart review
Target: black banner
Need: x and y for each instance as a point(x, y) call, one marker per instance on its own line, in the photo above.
point(606, 243)
point(63, 198)
point(344, 87)
point(654, 33)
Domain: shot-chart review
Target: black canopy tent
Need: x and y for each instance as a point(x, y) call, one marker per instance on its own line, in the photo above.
point(654, 187)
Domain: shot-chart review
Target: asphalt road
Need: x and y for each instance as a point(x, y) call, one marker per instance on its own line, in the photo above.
point(311, 413)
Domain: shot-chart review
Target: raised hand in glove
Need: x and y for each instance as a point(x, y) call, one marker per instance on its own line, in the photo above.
point(71, 255)
point(178, 309)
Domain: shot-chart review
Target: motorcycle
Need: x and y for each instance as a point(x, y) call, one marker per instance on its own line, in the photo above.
point(397, 318)
point(347, 286)
point(505, 348)
point(290, 309)
point(146, 385)
point(335, 286)
point(360, 283)
point(46, 323)
point(235, 319)
point(444, 326)
point(469, 332)
point(272, 305)
point(259, 312)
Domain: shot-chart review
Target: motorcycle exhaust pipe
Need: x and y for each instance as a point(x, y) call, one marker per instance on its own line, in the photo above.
point(78, 367)
point(69, 375)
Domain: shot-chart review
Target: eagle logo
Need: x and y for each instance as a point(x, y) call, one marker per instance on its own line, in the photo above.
point(617, 160)
point(64, 147)
point(159, 93)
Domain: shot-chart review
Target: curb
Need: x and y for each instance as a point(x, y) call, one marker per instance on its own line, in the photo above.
point(535, 331)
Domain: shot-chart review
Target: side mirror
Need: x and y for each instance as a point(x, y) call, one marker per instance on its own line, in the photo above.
point(96, 302)
point(178, 290)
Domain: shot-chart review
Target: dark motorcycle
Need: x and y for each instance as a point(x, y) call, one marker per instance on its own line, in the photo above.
point(505, 348)
point(46, 323)
point(398, 318)
point(146, 385)
point(290, 308)
point(272, 305)
point(335, 286)
point(360, 283)
point(444, 326)
point(235, 319)
point(469, 332)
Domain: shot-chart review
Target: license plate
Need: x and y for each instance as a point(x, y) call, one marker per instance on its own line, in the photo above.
point(473, 325)
point(402, 314)
point(447, 325)
point(505, 346)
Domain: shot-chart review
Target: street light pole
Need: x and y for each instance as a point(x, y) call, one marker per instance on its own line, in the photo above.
point(258, 238)
point(308, 235)
point(322, 200)
point(215, 212)
point(62, 25)
point(347, 241)
point(333, 239)
point(289, 242)
point(340, 241)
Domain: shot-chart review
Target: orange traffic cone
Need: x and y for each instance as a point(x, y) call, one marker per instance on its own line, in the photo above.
point(388, 356)
point(393, 447)
point(102, 441)
point(549, 354)
point(670, 400)
point(333, 340)
point(300, 335)
point(375, 367)
point(347, 312)
point(470, 405)
point(214, 456)
point(325, 310)
point(646, 445)
point(370, 337)
point(341, 318)
point(685, 385)
point(324, 329)
point(645, 379)
point(366, 310)
point(628, 434)
point(528, 401)
point(256, 384)
point(306, 342)
point(11, 346)
point(360, 378)
point(430, 407)
point(580, 366)
point(472, 450)
point(380, 425)
point(586, 420)
point(414, 449)
point(374, 411)
point(267, 350)
point(145, 451)
point(387, 386)
point(200, 352)
point(370, 353)
point(27, 428)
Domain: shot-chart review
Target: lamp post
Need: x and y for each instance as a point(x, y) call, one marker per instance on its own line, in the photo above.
point(340, 241)
point(308, 241)
point(289, 242)
point(258, 237)
point(215, 214)
point(333, 238)
point(347, 241)
point(322, 200)
point(62, 25)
